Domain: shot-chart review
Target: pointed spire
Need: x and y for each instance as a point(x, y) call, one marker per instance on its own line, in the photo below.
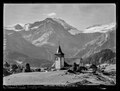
point(58, 45)
point(59, 50)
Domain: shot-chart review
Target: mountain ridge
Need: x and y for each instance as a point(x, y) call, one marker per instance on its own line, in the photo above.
point(72, 30)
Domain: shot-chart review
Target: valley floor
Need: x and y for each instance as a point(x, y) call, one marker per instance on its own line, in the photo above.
point(60, 78)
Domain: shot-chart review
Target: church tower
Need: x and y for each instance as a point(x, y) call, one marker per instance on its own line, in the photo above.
point(59, 59)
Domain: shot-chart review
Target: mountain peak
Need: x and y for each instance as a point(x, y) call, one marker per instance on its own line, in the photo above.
point(18, 26)
point(56, 21)
point(48, 18)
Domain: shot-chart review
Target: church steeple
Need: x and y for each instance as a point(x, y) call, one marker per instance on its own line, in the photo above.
point(59, 59)
point(59, 51)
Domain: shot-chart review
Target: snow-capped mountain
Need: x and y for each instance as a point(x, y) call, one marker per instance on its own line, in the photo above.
point(37, 24)
point(100, 28)
point(40, 39)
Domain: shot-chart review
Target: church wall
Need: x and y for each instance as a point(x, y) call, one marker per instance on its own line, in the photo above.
point(62, 62)
point(57, 63)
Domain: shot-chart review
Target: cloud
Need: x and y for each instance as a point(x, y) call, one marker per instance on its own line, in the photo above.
point(51, 14)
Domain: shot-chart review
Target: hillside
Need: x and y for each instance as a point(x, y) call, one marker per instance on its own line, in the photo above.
point(105, 40)
point(15, 57)
point(104, 56)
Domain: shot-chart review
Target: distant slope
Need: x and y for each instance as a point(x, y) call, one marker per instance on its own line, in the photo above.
point(13, 57)
point(17, 43)
point(105, 55)
point(106, 40)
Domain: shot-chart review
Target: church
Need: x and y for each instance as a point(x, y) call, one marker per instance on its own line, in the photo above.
point(59, 60)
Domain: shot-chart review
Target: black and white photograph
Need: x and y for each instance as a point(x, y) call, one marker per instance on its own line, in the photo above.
point(59, 45)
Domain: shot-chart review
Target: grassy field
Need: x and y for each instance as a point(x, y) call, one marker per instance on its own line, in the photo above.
point(59, 79)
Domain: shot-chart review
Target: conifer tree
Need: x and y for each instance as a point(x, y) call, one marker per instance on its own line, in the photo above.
point(75, 67)
point(27, 67)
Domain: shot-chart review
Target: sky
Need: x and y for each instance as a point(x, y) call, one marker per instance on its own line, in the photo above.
point(77, 15)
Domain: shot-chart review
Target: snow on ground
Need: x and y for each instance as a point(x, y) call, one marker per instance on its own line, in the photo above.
point(59, 78)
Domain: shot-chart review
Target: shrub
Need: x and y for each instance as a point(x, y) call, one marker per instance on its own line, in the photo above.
point(74, 67)
point(94, 67)
point(80, 68)
point(14, 68)
point(5, 72)
point(6, 64)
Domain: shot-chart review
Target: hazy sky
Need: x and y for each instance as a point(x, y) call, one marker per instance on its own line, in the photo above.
point(77, 15)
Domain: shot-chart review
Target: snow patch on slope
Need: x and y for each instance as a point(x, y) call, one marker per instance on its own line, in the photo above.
point(101, 29)
point(26, 27)
point(43, 39)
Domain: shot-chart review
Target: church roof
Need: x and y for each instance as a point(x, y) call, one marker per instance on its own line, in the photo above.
point(59, 51)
